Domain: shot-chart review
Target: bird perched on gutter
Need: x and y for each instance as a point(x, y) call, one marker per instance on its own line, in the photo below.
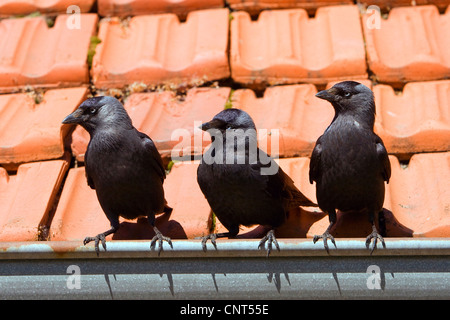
point(242, 184)
point(122, 165)
point(349, 162)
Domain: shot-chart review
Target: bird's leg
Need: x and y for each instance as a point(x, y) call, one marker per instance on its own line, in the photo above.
point(101, 237)
point(167, 210)
point(326, 235)
point(374, 235)
point(160, 238)
point(233, 231)
point(269, 237)
point(158, 235)
point(213, 237)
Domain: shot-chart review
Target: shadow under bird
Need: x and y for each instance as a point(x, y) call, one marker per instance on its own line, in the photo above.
point(349, 162)
point(241, 183)
point(122, 165)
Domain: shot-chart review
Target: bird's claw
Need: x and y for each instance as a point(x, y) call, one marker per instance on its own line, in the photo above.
point(96, 239)
point(212, 237)
point(376, 236)
point(160, 238)
point(325, 236)
point(269, 238)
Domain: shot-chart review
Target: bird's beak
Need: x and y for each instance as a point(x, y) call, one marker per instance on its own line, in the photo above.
point(74, 117)
point(328, 95)
point(214, 123)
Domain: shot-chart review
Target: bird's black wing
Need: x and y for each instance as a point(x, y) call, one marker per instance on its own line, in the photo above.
point(153, 154)
point(90, 182)
point(384, 159)
point(314, 165)
point(280, 185)
point(291, 193)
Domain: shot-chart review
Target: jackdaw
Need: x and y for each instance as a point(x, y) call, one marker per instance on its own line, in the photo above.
point(349, 162)
point(122, 165)
point(243, 185)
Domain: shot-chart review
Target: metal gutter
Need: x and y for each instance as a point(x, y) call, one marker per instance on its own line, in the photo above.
point(407, 268)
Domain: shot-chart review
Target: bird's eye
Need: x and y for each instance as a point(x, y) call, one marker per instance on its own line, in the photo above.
point(347, 94)
point(92, 110)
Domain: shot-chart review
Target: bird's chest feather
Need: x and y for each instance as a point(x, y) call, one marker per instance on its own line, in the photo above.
point(114, 161)
point(349, 152)
point(124, 179)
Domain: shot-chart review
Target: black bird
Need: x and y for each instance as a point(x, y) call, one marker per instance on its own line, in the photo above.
point(349, 162)
point(242, 184)
point(122, 165)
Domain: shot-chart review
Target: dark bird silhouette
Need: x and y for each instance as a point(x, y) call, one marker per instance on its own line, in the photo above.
point(122, 165)
point(349, 162)
point(242, 184)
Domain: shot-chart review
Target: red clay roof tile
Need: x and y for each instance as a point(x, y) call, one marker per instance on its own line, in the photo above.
point(27, 198)
point(294, 110)
point(169, 120)
point(410, 45)
point(123, 8)
point(32, 54)
point(389, 4)
point(254, 7)
point(30, 131)
point(78, 214)
point(190, 209)
point(415, 121)
point(285, 46)
point(419, 194)
point(21, 7)
point(158, 49)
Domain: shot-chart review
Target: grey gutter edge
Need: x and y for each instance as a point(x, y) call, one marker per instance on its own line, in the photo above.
point(408, 268)
point(231, 248)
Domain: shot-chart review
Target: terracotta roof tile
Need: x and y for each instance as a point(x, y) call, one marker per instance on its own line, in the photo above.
point(31, 131)
point(415, 121)
point(123, 8)
point(293, 110)
point(419, 194)
point(389, 4)
point(190, 209)
point(286, 46)
point(21, 7)
point(27, 198)
point(32, 54)
point(78, 213)
point(158, 49)
point(169, 120)
point(254, 7)
point(410, 45)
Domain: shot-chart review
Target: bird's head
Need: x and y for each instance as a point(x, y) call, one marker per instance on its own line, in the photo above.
point(99, 112)
point(349, 96)
point(230, 119)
